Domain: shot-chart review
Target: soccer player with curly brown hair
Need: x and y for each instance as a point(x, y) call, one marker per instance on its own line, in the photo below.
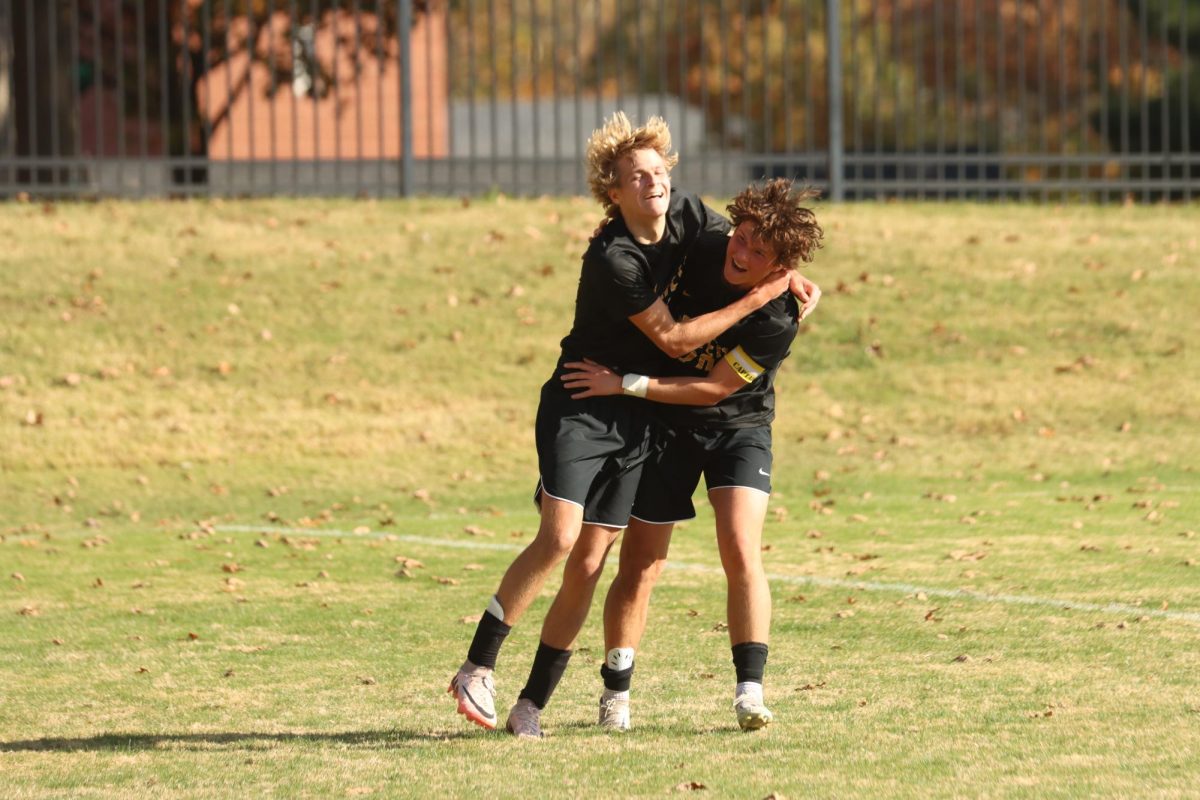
point(715, 405)
point(590, 452)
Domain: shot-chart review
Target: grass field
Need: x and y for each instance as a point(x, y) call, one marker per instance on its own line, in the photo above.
point(229, 429)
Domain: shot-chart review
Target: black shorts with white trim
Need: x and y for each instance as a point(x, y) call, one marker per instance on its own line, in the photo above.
point(731, 458)
point(591, 452)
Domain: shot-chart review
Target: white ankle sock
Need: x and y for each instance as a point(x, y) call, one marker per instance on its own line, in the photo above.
point(610, 694)
point(749, 689)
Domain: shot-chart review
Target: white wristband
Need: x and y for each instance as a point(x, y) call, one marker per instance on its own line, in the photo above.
point(635, 385)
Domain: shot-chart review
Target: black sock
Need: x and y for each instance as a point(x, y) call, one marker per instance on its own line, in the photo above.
point(750, 659)
point(548, 667)
point(616, 680)
point(489, 635)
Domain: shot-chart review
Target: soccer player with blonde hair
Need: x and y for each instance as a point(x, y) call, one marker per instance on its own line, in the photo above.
point(715, 406)
point(590, 452)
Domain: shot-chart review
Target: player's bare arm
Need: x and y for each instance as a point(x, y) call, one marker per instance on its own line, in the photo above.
point(677, 338)
point(596, 380)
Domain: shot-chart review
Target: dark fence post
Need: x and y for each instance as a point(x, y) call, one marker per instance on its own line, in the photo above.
point(833, 73)
point(404, 33)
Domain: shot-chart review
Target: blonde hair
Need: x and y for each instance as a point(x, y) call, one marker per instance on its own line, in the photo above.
point(616, 139)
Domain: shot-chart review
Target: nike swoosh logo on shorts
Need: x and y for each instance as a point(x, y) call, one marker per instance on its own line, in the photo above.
point(760, 472)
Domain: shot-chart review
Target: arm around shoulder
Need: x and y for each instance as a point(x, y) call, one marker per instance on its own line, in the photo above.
point(677, 338)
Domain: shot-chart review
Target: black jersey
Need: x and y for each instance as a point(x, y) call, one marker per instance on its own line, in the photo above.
point(755, 345)
point(621, 278)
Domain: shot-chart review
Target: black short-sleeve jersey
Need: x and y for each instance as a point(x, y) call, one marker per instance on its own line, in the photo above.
point(621, 278)
point(755, 346)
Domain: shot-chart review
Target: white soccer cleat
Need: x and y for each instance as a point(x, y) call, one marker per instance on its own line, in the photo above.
point(472, 686)
point(525, 720)
point(751, 713)
point(614, 713)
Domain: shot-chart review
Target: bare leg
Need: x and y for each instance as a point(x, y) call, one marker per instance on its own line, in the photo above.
point(643, 554)
point(582, 572)
point(740, 514)
point(559, 529)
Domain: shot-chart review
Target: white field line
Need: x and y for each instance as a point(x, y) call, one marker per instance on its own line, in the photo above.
point(800, 580)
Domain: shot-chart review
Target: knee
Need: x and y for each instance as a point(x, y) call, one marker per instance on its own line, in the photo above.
point(584, 568)
point(556, 543)
point(640, 575)
point(650, 570)
point(742, 564)
point(642, 562)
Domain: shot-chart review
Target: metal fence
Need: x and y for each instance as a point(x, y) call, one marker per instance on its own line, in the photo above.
point(1046, 99)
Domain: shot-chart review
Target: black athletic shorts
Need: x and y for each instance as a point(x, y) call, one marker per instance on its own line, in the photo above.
point(737, 457)
point(591, 452)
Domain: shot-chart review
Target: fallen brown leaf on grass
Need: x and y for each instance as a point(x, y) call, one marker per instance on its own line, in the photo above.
point(690, 786)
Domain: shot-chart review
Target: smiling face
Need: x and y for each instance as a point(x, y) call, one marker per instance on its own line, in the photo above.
point(643, 190)
point(748, 258)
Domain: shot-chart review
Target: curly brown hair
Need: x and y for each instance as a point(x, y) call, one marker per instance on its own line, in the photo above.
point(776, 207)
point(614, 140)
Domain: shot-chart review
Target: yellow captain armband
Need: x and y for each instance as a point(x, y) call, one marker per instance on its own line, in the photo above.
point(746, 367)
